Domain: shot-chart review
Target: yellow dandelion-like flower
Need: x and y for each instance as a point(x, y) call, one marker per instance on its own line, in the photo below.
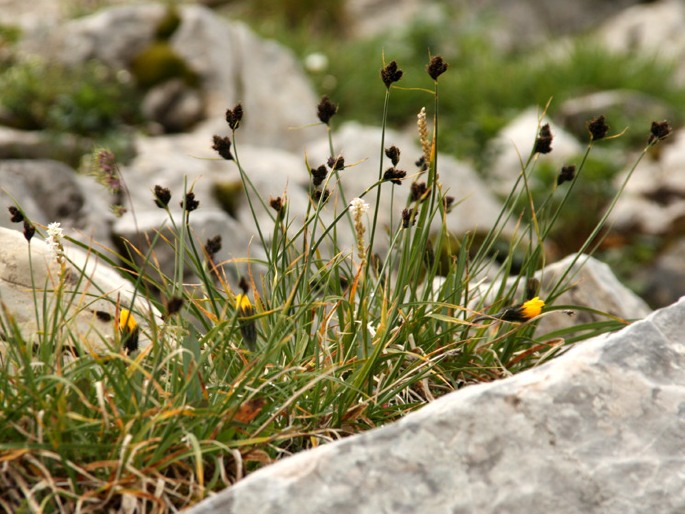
point(519, 313)
point(129, 331)
point(248, 328)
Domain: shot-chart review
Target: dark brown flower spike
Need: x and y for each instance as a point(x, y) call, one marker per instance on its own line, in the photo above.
point(321, 196)
point(319, 175)
point(162, 196)
point(234, 116)
point(448, 203)
point(436, 67)
point(222, 145)
point(190, 203)
point(391, 73)
point(660, 131)
point(567, 174)
point(598, 128)
point(29, 230)
point(408, 218)
point(326, 110)
point(393, 153)
point(213, 246)
point(276, 204)
point(16, 216)
point(421, 163)
point(418, 191)
point(394, 175)
point(543, 143)
point(336, 163)
point(173, 306)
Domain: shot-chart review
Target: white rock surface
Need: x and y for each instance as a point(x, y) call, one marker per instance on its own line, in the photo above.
point(599, 429)
point(30, 277)
point(652, 28)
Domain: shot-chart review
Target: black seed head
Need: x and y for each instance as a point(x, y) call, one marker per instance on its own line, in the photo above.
point(543, 143)
point(234, 116)
point(394, 175)
point(190, 203)
point(436, 67)
point(162, 196)
point(567, 174)
point(16, 216)
point(213, 246)
point(391, 73)
point(660, 130)
point(222, 145)
point(393, 153)
point(173, 306)
point(598, 128)
point(29, 230)
point(336, 163)
point(326, 110)
point(319, 175)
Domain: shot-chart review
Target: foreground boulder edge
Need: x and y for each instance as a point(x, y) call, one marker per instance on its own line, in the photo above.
point(599, 429)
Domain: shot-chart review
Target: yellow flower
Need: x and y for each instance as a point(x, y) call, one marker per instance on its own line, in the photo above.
point(524, 312)
point(128, 328)
point(247, 326)
point(518, 313)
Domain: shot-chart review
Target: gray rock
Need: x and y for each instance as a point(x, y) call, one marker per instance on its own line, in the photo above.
point(114, 36)
point(88, 288)
point(654, 28)
point(50, 191)
point(662, 281)
point(517, 25)
point(205, 223)
point(25, 144)
point(599, 429)
point(233, 65)
point(173, 105)
point(236, 66)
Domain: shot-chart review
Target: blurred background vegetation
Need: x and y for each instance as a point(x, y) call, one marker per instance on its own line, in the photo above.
point(486, 87)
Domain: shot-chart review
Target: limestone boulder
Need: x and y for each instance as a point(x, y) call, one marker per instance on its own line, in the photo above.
point(85, 294)
point(232, 65)
point(49, 191)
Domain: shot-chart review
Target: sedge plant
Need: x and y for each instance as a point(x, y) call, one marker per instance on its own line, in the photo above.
point(316, 341)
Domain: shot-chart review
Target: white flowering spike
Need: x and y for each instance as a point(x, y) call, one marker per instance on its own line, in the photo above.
point(54, 241)
point(358, 207)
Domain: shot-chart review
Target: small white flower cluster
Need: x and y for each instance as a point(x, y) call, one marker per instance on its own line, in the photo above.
point(358, 207)
point(54, 241)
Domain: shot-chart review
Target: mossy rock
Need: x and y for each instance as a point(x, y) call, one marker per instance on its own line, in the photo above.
point(229, 194)
point(159, 63)
point(168, 25)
